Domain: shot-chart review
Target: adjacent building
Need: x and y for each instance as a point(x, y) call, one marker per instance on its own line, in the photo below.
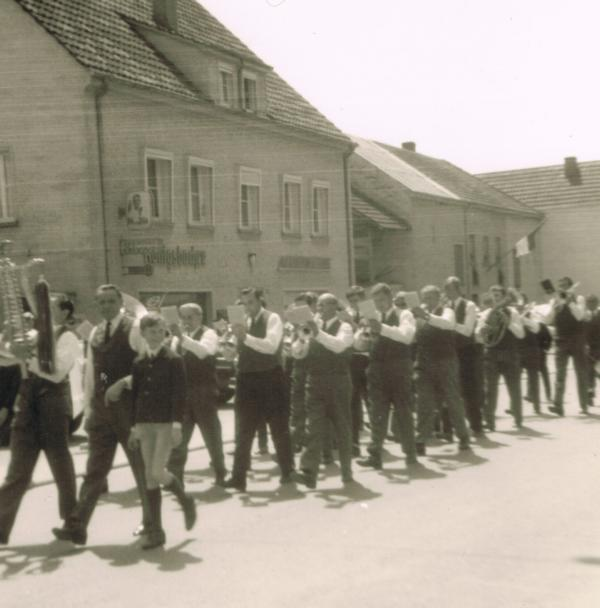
point(419, 219)
point(568, 195)
point(142, 143)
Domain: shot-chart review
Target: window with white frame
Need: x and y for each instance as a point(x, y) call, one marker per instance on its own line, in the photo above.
point(4, 212)
point(319, 211)
point(227, 85)
point(250, 181)
point(250, 91)
point(201, 191)
point(291, 204)
point(159, 183)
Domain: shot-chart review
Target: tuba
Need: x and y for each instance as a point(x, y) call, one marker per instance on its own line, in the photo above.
point(497, 323)
point(15, 287)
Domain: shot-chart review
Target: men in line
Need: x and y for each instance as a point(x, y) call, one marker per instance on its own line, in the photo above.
point(438, 378)
point(298, 387)
point(389, 376)
point(593, 344)
point(198, 346)
point(359, 362)
point(328, 390)
point(113, 346)
point(260, 388)
point(529, 353)
point(567, 314)
point(469, 352)
point(42, 417)
point(500, 328)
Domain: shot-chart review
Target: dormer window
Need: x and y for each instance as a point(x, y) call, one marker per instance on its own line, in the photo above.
point(249, 92)
point(227, 83)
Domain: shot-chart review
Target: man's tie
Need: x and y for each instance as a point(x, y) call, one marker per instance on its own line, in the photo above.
point(107, 333)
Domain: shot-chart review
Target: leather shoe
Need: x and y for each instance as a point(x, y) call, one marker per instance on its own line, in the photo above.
point(286, 479)
point(411, 461)
point(421, 449)
point(155, 539)
point(3, 538)
point(555, 409)
point(234, 484)
point(306, 479)
point(189, 513)
point(141, 530)
point(371, 461)
point(78, 536)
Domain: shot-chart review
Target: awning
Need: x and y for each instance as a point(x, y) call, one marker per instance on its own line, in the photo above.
point(381, 218)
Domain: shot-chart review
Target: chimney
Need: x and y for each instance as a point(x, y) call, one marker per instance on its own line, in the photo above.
point(411, 146)
point(572, 172)
point(165, 14)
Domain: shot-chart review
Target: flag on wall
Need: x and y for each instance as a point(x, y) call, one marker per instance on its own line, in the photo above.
point(525, 245)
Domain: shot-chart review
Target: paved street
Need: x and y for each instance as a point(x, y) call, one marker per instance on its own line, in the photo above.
point(515, 524)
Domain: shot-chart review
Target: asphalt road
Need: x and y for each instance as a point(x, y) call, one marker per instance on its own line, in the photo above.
point(514, 524)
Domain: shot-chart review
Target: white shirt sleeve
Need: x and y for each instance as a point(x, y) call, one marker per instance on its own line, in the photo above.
point(68, 350)
point(578, 308)
point(137, 343)
point(516, 324)
point(343, 340)
point(270, 344)
point(205, 347)
point(531, 322)
point(446, 320)
point(88, 377)
point(483, 317)
point(468, 327)
point(405, 332)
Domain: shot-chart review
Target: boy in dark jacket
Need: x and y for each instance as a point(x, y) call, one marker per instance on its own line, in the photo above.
point(158, 391)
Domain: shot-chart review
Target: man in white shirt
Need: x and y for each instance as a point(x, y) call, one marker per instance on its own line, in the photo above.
point(438, 379)
point(567, 314)
point(260, 388)
point(469, 352)
point(42, 418)
point(113, 346)
point(328, 390)
point(198, 345)
point(389, 376)
point(502, 357)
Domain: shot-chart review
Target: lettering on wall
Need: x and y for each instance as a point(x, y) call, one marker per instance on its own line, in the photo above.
point(141, 256)
point(297, 262)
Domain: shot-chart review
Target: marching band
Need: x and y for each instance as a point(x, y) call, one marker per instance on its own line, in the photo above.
point(317, 378)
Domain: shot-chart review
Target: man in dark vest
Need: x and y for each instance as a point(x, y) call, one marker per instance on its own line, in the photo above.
point(328, 390)
point(593, 343)
point(438, 379)
point(198, 347)
point(567, 314)
point(41, 422)
point(469, 352)
point(260, 388)
point(502, 352)
point(390, 376)
point(113, 346)
point(530, 352)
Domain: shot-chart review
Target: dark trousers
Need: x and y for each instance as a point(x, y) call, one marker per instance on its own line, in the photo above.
point(575, 349)
point(201, 410)
point(107, 428)
point(41, 424)
point(390, 386)
point(438, 382)
point(360, 394)
point(507, 365)
point(593, 358)
point(545, 374)
point(531, 363)
point(298, 404)
point(260, 394)
point(470, 366)
point(328, 406)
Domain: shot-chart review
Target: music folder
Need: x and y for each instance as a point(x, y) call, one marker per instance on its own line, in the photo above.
point(236, 315)
point(367, 310)
point(299, 315)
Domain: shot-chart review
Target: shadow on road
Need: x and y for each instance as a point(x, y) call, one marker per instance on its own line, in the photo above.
point(412, 472)
point(263, 498)
point(588, 560)
point(126, 499)
point(170, 559)
point(458, 460)
point(213, 495)
point(526, 433)
point(337, 498)
point(489, 444)
point(34, 559)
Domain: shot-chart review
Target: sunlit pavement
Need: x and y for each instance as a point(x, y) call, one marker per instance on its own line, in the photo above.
point(512, 524)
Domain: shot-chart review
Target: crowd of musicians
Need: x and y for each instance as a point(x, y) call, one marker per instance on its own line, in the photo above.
point(412, 375)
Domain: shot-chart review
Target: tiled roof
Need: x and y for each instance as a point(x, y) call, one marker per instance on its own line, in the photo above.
point(384, 160)
point(463, 185)
point(99, 34)
point(384, 220)
point(547, 187)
